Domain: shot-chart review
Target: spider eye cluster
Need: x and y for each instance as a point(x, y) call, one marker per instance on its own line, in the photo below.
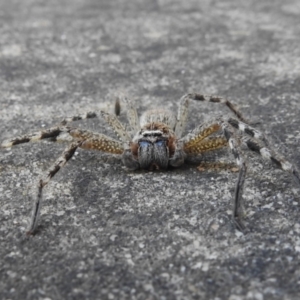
point(152, 134)
point(158, 143)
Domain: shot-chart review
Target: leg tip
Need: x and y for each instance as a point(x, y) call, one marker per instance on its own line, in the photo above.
point(239, 224)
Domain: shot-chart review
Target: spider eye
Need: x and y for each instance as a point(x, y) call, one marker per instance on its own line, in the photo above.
point(160, 143)
point(144, 144)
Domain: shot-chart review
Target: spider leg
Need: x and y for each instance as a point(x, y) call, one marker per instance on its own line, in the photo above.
point(259, 144)
point(91, 114)
point(132, 115)
point(272, 156)
point(52, 132)
point(117, 107)
point(256, 146)
point(60, 162)
point(205, 145)
point(84, 116)
point(196, 143)
point(182, 116)
point(237, 211)
point(217, 99)
point(117, 126)
point(86, 140)
point(189, 144)
point(247, 129)
point(112, 120)
point(97, 141)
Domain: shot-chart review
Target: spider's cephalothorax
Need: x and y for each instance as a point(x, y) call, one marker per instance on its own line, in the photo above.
point(154, 144)
point(158, 142)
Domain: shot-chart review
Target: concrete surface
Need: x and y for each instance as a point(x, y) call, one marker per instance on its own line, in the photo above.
point(107, 233)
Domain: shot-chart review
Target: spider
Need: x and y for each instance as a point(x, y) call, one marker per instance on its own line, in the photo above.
point(157, 142)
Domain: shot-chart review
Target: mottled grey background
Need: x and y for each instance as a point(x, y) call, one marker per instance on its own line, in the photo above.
point(107, 233)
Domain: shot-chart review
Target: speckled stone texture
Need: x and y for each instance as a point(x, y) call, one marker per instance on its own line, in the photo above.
point(106, 232)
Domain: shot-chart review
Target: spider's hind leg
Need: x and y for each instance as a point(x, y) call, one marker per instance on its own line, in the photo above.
point(198, 142)
point(272, 156)
point(217, 99)
point(237, 208)
point(257, 142)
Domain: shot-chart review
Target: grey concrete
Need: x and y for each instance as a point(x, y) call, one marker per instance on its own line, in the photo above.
point(107, 233)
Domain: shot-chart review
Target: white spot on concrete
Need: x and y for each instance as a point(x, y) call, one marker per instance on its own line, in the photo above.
point(11, 50)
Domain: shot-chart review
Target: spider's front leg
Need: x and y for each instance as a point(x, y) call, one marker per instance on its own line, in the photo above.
point(52, 132)
point(199, 142)
point(86, 140)
point(60, 162)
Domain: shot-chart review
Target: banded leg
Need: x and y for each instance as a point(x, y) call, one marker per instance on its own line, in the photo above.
point(61, 161)
point(84, 116)
point(87, 140)
point(55, 131)
point(206, 129)
point(117, 107)
point(256, 142)
point(217, 99)
point(52, 132)
point(273, 157)
point(259, 144)
point(198, 142)
point(237, 211)
point(249, 130)
point(91, 114)
point(112, 120)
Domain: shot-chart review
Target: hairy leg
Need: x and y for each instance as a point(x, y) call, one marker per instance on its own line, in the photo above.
point(182, 116)
point(273, 156)
point(132, 115)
